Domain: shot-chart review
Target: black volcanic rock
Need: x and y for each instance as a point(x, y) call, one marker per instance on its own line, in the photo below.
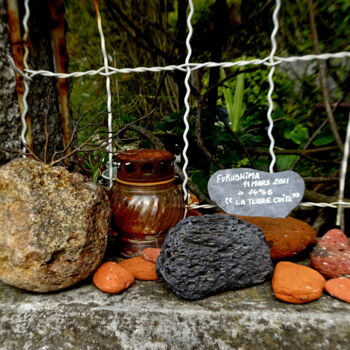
point(206, 254)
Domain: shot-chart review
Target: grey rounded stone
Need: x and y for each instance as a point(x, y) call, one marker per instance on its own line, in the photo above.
point(53, 226)
point(207, 254)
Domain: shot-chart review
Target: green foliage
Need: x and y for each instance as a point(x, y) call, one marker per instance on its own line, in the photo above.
point(285, 162)
point(132, 94)
point(92, 164)
point(324, 138)
point(244, 97)
point(172, 123)
point(201, 178)
point(299, 134)
point(238, 107)
point(234, 100)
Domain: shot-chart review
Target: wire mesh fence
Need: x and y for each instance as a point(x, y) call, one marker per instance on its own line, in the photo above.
point(271, 61)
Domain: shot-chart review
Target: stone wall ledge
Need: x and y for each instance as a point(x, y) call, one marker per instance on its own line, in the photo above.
point(148, 316)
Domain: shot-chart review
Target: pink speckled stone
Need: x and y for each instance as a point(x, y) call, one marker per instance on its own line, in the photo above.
point(331, 255)
point(334, 239)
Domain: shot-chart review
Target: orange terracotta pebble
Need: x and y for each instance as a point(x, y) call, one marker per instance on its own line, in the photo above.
point(140, 268)
point(110, 277)
point(296, 284)
point(286, 237)
point(151, 254)
point(339, 288)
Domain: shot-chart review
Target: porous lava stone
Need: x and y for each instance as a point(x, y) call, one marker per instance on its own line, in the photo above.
point(207, 254)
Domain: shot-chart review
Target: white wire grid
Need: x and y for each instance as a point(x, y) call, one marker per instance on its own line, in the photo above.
point(107, 71)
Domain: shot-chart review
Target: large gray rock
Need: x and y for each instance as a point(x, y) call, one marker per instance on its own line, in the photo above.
point(53, 226)
point(206, 254)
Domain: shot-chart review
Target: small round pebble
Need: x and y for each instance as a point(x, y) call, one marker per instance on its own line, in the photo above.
point(151, 254)
point(339, 288)
point(140, 268)
point(112, 278)
point(296, 284)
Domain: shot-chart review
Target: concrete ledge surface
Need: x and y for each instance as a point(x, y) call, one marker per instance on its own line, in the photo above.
point(148, 316)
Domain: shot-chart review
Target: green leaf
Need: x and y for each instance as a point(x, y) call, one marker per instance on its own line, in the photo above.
point(234, 101)
point(238, 108)
point(243, 162)
point(324, 138)
point(299, 135)
point(95, 175)
point(285, 162)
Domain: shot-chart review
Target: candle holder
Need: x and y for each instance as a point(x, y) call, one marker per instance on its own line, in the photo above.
point(145, 201)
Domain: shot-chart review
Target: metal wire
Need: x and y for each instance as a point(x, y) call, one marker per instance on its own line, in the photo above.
point(187, 105)
point(108, 90)
point(29, 73)
point(201, 206)
point(338, 204)
point(342, 177)
point(323, 56)
point(26, 32)
point(272, 85)
point(25, 81)
point(325, 205)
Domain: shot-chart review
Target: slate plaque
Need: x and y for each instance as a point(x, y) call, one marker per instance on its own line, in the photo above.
point(252, 192)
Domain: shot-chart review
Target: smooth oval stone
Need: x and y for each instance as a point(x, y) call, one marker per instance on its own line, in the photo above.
point(140, 268)
point(110, 277)
point(286, 237)
point(296, 284)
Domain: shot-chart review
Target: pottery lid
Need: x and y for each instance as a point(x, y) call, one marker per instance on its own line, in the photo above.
point(145, 165)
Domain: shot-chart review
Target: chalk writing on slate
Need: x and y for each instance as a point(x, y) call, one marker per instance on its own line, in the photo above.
point(252, 192)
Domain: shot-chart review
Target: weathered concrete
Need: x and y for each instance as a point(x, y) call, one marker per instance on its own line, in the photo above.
point(147, 316)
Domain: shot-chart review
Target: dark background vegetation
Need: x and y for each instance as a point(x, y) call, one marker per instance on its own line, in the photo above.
point(228, 106)
point(152, 33)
